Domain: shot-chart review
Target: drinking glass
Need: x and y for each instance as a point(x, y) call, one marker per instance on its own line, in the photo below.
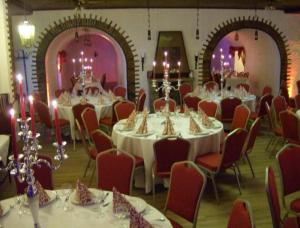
point(64, 195)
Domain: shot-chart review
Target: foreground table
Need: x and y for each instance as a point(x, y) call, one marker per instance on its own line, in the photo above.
point(54, 216)
point(142, 146)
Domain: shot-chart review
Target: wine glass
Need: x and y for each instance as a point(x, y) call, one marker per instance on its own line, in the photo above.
point(64, 195)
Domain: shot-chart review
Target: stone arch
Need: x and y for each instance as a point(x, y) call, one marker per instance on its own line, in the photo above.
point(215, 36)
point(103, 24)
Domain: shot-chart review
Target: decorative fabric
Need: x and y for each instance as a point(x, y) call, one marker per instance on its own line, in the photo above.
point(205, 120)
point(194, 127)
point(83, 195)
point(137, 220)
point(143, 128)
point(168, 129)
point(130, 122)
point(111, 96)
point(43, 196)
point(100, 99)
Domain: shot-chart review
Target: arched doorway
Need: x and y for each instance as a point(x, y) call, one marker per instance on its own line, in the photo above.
point(241, 23)
point(107, 27)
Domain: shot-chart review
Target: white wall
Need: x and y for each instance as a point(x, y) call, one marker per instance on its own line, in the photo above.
point(134, 22)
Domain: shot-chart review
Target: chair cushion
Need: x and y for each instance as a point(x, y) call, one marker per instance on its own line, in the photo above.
point(93, 152)
point(62, 122)
point(295, 205)
point(106, 121)
point(174, 224)
point(253, 115)
point(209, 161)
point(291, 222)
point(138, 161)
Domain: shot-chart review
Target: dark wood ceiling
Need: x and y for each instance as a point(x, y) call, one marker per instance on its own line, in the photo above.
point(18, 6)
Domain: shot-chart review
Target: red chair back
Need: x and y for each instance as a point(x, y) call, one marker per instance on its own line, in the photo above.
point(191, 102)
point(89, 119)
point(211, 85)
point(273, 199)
point(186, 188)
point(78, 109)
point(240, 117)
point(124, 109)
point(267, 98)
point(241, 215)
point(42, 174)
point(279, 104)
point(115, 169)
point(290, 126)
point(184, 89)
point(297, 101)
point(267, 90)
point(252, 134)
point(167, 151)
point(233, 147)
point(101, 141)
point(141, 102)
point(228, 106)
point(243, 85)
point(209, 107)
point(44, 113)
point(160, 103)
point(289, 159)
point(120, 91)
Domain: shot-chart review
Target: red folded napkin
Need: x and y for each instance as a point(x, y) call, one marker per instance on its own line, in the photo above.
point(43, 196)
point(83, 195)
point(120, 204)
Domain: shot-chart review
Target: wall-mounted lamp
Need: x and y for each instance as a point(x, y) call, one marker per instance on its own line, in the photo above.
point(143, 60)
point(256, 35)
point(196, 60)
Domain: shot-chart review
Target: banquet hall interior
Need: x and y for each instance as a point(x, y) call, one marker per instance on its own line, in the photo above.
point(150, 113)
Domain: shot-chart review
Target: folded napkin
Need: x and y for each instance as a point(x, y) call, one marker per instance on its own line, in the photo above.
point(43, 196)
point(137, 220)
point(194, 127)
point(186, 110)
point(100, 99)
point(111, 96)
point(120, 203)
point(143, 128)
point(130, 122)
point(145, 111)
point(168, 129)
point(82, 194)
point(83, 100)
point(206, 121)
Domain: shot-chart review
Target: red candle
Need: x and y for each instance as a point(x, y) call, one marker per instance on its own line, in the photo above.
point(179, 65)
point(57, 126)
point(22, 101)
point(33, 131)
point(13, 133)
point(154, 64)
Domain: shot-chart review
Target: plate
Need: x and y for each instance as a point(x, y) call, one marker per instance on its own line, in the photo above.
point(76, 202)
point(121, 128)
point(143, 135)
point(51, 194)
point(5, 209)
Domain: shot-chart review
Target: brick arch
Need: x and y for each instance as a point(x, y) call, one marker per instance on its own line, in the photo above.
point(234, 24)
point(103, 24)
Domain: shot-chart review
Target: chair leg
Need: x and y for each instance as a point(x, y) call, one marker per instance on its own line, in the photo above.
point(237, 178)
point(270, 141)
point(239, 172)
point(86, 168)
point(215, 188)
point(74, 144)
point(275, 146)
point(92, 176)
point(153, 186)
point(250, 165)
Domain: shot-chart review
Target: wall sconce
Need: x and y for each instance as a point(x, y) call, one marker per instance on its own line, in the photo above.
point(196, 60)
point(143, 61)
point(256, 35)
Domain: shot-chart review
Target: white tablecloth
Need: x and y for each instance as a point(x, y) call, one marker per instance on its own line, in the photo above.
point(53, 216)
point(102, 110)
point(4, 145)
point(78, 86)
point(143, 146)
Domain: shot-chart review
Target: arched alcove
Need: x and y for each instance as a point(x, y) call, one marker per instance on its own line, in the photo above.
point(234, 24)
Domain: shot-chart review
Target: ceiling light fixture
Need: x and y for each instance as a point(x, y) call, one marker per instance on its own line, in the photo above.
point(197, 25)
point(26, 32)
point(149, 21)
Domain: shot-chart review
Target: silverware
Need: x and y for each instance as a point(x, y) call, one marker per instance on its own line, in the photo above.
point(161, 219)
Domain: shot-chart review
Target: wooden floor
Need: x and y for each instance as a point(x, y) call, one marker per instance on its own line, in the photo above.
point(211, 214)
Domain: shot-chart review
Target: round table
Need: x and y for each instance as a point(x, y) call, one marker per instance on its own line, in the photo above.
point(142, 146)
point(102, 110)
point(53, 215)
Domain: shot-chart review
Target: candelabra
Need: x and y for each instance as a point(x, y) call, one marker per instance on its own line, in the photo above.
point(166, 86)
point(21, 164)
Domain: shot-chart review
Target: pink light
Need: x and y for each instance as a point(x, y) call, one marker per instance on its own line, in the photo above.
point(179, 63)
point(166, 53)
point(213, 56)
point(73, 60)
point(154, 63)
point(19, 78)
point(221, 50)
point(81, 53)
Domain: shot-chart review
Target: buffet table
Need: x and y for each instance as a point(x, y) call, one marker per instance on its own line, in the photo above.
point(95, 215)
point(4, 146)
point(142, 145)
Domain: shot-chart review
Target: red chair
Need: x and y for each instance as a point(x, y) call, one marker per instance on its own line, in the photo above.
point(272, 194)
point(42, 174)
point(160, 103)
point(141, 102)
point(261, 110)
point(115, 169)
point(109, 122)
point(289, 159)
point(214, 162)
point(191, 102)
point(209, 107)
point(184, 89)
point(290, 126)
point(210, 85)
point(250, 141)
point(120, 91)
point(167, 151)
point(241, 215)
point(124, 109)
point(101, 141)
point(90, 122)
point(243, 85)
point(228, 106)
point(279, 104)
point(297, 101)
point(267, 90)
point(187, 184)
point(240, 117)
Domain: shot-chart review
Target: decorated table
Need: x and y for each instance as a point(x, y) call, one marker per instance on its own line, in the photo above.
point(64, 211)
point(208, 140)
point(234, 81)
point(4, 146)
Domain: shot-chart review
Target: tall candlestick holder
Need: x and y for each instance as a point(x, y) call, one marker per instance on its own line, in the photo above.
point(21, 166)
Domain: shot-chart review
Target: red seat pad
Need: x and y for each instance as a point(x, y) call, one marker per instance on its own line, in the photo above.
point(295, 205)
point(209, 161)
point(138, 161)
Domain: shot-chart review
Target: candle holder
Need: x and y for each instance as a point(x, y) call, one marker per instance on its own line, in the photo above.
point(22, 165)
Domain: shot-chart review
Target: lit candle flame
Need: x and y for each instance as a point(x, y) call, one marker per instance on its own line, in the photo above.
point(19, 77)
point(12, 112)
point(54, 104)
point(30, 98)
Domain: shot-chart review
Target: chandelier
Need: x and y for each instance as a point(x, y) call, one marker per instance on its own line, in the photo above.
point(26, 32)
